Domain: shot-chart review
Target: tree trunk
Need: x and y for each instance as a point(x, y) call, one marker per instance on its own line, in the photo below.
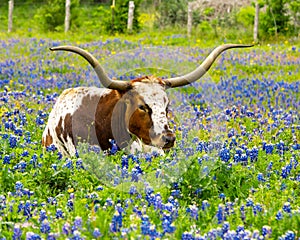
point(256, 22)
point(190, 19)
point(130, 16)
point(68, 15)
point(10, 15)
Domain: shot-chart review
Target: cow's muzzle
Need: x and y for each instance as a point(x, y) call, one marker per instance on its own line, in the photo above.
point(168, 139)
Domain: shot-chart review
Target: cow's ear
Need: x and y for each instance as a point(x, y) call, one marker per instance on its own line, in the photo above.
point(119, 125)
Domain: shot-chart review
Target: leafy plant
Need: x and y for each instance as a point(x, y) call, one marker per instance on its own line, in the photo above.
point(51, 16)
point(117, 20)
point(276, 18)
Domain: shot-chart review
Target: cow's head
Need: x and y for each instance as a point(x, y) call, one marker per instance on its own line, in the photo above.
point(144, 102)
point(143, 112)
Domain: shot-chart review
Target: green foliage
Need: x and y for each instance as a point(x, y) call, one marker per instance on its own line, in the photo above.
point(116, 22)
point(172, 12)
point(276, 18)
point(245, 16)
point(51, 16)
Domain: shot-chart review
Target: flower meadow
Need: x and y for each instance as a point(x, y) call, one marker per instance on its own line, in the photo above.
point(233, 174)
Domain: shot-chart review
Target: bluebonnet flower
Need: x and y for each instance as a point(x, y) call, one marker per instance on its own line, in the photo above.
point(132, 190)
point(158, 204)
point(27, 210)
point(33, 160)
point(18, 186)
point(269, 148)
point(279, 215)
point(287, 207)
point(145, 225)
point(25, 153)
point(222, 196)
point(68, 163)
point(266, 231)
point(134, 175)
point(187, 236)
point(59, 213)
point(39, 121)
point(220, 214)
point(66, 229)
point(54, 166)
point(32, 236)
point(224, 154)
point(205, 205)
point(52, 236)
point(260, 177)
point(148, 157)
point(77, 223)
point(124, 161)
point(168, 226)
point(176, 192)
point(76, 235)
point(225, 227)
point(229, 208)
point(193, 210)
point(51, 148)
point(99, 188)
point(45, 226)
point(70, 205)
point(6, 159)
point(13, 141)
point(257, 208)
point(43, 215)
point(114, 147)
point(249, 202)
point(289, 235)
point(79, 163)
point(97, 233)
point(17, 233)
point(269, 168)
point(116, 222)
point(153, 234)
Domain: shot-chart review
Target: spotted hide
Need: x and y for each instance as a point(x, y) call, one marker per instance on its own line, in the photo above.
point(97, 115)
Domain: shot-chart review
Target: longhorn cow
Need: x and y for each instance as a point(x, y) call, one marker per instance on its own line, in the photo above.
point(132, 113)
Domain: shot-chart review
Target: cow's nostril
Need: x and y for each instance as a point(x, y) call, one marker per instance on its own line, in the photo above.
point(169, 140)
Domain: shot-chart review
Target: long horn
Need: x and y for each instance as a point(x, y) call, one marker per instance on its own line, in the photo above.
point(103, 77)
point(203, 68)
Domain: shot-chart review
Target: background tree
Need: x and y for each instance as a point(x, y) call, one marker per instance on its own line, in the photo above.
point(52, 15)
point(119, 21)
point(276, 18)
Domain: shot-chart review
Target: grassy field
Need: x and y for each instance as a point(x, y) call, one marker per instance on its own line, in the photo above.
point(233, 174)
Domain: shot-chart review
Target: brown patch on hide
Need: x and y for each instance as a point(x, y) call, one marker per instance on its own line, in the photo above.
point(107, 106)
point(48, 140)
point(149, 79)
point(68, 131)
point(140, 123)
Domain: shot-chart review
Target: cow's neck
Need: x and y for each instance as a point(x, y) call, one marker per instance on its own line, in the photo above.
point(110, 120)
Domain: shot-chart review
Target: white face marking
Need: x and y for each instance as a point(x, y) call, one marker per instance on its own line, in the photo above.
point(156, 98)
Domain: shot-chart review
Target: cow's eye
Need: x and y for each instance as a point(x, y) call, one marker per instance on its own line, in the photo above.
point(143, 108)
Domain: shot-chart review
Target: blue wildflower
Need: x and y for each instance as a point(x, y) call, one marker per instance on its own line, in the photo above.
point(287, 207)
point(6, 159)
point(66, 229)
point(97, 233)
point(224, 154)
point(12, 141)
point(45, 226)
point(17, 233)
